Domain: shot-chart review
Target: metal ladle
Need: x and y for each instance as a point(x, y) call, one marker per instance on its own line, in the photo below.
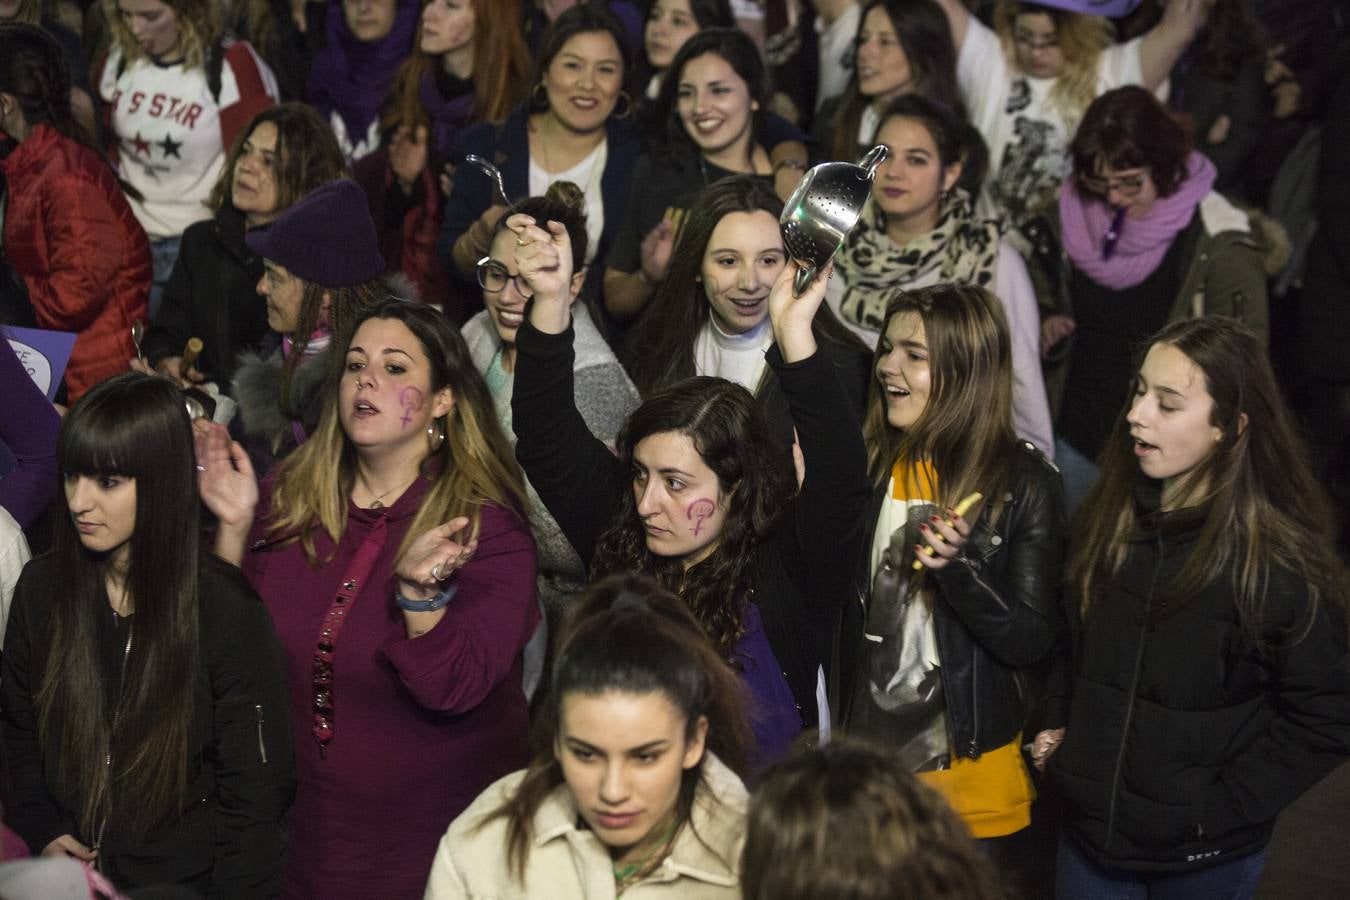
point(492, 172)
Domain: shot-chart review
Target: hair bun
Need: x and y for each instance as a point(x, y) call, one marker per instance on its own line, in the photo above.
point(566, 193)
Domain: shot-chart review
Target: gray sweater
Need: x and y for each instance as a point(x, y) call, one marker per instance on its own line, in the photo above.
point(605, 396)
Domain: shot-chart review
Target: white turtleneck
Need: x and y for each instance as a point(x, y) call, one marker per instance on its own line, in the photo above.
point(735, 357)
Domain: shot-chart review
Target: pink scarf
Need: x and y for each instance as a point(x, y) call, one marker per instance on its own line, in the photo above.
point(1140, 243)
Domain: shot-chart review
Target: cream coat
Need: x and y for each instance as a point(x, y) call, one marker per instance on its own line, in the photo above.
point(567, 862)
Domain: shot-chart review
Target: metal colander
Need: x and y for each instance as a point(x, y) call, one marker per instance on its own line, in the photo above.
point(823, 209)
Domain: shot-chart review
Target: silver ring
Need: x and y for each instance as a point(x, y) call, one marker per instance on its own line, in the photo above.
point(436, 571)
point(201, 468)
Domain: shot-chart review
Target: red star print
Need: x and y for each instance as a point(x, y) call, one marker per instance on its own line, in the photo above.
point(141, 145)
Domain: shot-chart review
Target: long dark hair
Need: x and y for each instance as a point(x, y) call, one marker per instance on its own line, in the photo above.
point(965, 431)
point(34, 69)
point(307, 155)
point(735, 47)
point(1263, 508)
point(730, 433)
point(926, 37)
point(661, 345)
point(130, 426)
point(629, 635)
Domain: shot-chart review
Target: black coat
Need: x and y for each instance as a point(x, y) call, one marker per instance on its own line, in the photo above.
point(1183, 741)
point(230, 840)
point(998, 611)
point(212, 294)
point(800, 574)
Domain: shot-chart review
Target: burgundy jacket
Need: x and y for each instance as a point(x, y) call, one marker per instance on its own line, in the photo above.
point(71, 234)
point(420, 726)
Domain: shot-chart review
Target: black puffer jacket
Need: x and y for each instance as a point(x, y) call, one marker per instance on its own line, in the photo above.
point(1183, 741)
point(997, 613)
point(230, 838)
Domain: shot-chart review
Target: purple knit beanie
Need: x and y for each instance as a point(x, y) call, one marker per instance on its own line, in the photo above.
point(327, 237)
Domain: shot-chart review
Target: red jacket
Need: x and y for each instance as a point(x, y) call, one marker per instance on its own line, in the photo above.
point(71, 234)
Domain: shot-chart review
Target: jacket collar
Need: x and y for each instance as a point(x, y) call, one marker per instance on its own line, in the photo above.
point(718, 820)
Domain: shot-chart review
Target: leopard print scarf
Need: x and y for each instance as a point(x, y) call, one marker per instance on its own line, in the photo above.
point(961, 246)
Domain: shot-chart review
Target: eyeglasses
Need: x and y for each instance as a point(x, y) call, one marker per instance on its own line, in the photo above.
point(1032, 42)
point(493, 278)
point(1128, 186)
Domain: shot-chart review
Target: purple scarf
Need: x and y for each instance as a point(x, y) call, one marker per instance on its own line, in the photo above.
point(448, 115)
point(1140, 244)
point(350, 77)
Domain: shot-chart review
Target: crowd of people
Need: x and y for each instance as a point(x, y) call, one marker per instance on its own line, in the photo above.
point(453, 490)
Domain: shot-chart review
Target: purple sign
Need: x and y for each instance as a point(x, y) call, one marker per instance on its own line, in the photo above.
point(43, 353)
point(1112, 9)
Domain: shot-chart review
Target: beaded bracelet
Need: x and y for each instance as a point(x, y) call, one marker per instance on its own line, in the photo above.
point(435, 603)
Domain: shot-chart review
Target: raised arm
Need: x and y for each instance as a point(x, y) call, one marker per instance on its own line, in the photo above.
point(1165, 42)
point(829, 517)
point(958, 17)
point(576, 476)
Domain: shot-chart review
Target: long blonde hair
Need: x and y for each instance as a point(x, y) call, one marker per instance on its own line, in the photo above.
point(198, 28)
point(1082, 38)
point(475, 464)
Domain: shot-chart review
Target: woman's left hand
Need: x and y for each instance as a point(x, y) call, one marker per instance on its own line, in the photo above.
point(432, 558)
point(792, 315)
point(945, 535)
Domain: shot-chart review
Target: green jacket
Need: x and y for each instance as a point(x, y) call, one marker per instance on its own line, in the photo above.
point(1226, 276)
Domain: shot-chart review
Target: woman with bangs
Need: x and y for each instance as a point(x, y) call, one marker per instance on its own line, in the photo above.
point(713, 103)
point(1147, 241)
point(698, 494)
point(711, 314)
point(177, 93)
point(146, 725)
point(469, 64)
point(577, 125)
point(636, 781)
point(964, 591)
point(285, 153)
point(1028, 80)
point(393, 552)
point(1210, 677)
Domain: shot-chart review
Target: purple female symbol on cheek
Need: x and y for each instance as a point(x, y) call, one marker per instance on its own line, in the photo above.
point(699, 512)
point(410, 398)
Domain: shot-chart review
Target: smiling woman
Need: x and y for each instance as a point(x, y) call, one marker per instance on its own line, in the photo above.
point(641, 741)
point(711, 315)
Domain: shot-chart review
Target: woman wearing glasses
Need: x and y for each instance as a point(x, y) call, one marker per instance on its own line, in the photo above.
point(392, 552)
point(603, 393)
point(1028, 80)
point(1146, 242)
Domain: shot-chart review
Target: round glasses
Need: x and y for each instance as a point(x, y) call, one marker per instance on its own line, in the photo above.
point(493, 278)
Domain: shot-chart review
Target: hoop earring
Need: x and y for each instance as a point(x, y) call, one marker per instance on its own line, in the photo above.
point(435, 436)
point(535, 95)
point(627, 106)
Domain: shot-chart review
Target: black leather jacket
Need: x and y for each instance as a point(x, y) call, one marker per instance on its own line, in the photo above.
point(998, 612)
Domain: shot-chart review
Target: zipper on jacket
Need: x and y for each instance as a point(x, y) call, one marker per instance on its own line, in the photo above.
point(1129, 709)
point(973, 749)
point(107, 759)
point(262, 747)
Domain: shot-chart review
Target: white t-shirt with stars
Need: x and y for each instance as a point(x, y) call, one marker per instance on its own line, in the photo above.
point(171, 134)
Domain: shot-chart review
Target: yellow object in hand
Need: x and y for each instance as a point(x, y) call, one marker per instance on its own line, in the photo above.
point(961, 509)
